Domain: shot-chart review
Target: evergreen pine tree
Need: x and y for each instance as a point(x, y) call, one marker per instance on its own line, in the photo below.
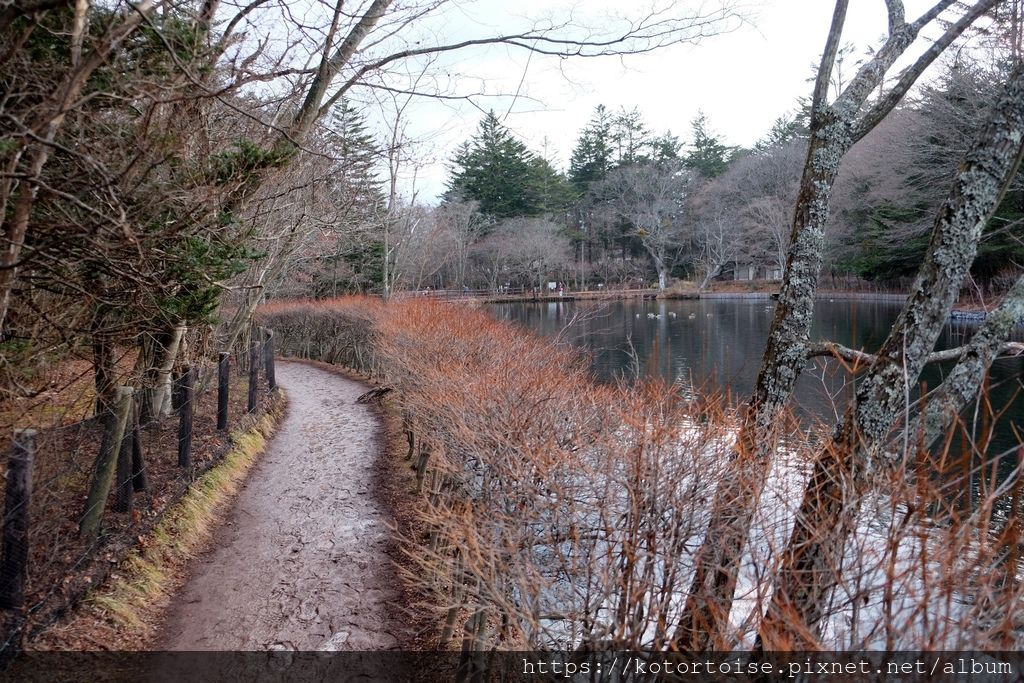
point(665, 147)
point(785, 128)
point(707, 156)
point(592, 157)
point(630, 136)
point(496, 170)
point(356, 185)
point(353, 262)
point(553, 193)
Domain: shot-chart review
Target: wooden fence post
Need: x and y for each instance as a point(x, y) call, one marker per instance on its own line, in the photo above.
point(421, 466)
point(185, 410)
point(223, 386)
point(103, 476)
point(14, 562)
point(268, 359)
point(410, 437)
point(254, 374)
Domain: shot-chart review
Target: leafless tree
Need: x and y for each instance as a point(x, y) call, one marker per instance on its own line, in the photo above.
point(650, 198)
point(426, 251)
point(716, 234)
point(769, 180)
point(528, 252)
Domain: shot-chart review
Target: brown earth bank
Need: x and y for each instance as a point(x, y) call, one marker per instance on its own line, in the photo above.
point(303, 560)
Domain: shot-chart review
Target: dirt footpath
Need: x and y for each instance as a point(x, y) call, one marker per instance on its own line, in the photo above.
point(300, 563)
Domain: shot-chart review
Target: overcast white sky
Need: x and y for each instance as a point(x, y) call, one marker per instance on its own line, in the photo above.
point(743, 80)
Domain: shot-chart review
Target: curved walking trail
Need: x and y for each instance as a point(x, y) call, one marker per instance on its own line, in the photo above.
point(300, 562)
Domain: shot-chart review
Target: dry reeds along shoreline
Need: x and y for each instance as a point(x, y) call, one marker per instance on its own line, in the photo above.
point(561, 512)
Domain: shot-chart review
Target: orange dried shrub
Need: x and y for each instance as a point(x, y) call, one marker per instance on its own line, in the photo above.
point(566, 513)
point(557, 507)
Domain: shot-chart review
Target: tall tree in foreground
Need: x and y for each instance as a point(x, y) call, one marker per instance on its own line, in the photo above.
point(834, 127)
point(843, 470)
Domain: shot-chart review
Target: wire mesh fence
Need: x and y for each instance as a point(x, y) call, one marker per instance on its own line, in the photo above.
point(79, 496)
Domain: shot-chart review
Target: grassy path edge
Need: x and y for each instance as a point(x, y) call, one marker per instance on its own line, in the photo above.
point(124, 613)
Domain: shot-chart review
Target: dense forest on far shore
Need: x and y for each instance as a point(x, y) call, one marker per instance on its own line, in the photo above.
point(640, 207)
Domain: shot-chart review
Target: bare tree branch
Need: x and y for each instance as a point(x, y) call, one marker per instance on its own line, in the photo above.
point(836, 350)
point(819, 99)
point(870, 118)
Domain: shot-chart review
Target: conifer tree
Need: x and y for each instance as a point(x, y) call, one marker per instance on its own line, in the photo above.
point(592, 157)
point(356, 184)
point(553, 192)
point(708, 156)
point(497, 171)
point(357, 195)
point(665, 147)
point(784, 129)
point(504, 177)
point(631, 137)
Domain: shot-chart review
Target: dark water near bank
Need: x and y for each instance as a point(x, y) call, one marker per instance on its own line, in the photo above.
point(717, 344)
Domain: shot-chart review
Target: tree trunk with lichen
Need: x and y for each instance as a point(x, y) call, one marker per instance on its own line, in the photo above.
point(710, 597)
point(843, 470)
point(966, 378)
point(835, 128)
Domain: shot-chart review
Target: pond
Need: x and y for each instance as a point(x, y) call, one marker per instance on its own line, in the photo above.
point(717, 344)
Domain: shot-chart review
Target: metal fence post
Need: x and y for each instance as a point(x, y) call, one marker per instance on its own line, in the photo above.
point(185, 393)
point(14, 562)
point(223, 386)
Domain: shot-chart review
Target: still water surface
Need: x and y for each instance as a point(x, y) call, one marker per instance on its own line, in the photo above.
point(717, 344)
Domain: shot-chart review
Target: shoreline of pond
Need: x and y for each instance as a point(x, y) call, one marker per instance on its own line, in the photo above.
point(651, 294)
point(960, 313)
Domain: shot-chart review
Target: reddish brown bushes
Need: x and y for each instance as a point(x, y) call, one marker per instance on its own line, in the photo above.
point(566, 513)
point(558, 508)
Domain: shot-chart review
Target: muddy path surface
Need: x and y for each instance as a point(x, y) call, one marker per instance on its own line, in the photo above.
point(300, 562)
